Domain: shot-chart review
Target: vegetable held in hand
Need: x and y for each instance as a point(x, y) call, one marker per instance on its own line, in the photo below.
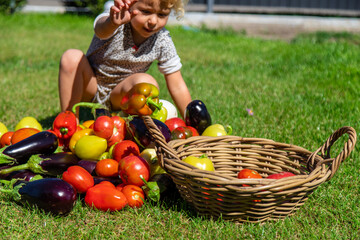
point(49, 194)
point(142, 99)
point(40, 143)
point(48, 164)
point(65, 125)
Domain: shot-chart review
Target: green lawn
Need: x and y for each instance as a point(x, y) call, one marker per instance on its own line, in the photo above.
point(300, 92)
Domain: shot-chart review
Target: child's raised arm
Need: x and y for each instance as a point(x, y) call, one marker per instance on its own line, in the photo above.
point(120, 13)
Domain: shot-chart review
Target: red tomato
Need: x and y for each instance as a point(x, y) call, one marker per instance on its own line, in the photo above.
point(134, 195)
point(248, 173)
point(105, 197)
point(107, 168)
point(175, 122)
point(125, 148)
point(120, 125)
point(23, 133)
point(5, 139)
point(280, 175)
point(193, 130)
point(104, 127)
point(79, 178)
point(130, 169)
point(181, 133)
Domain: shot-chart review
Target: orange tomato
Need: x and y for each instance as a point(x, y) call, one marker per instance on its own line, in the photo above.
point(23, 133)
point(5, 139)
point(107, 168)
point(134, 195)
point(248, 173)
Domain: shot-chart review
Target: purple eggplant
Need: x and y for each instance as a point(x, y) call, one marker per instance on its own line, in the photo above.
point(25, 175)
point(141, 135)
point(52, 195)
point(49, 164)
point(88, 165)
point(43, 142)
point(197, 116)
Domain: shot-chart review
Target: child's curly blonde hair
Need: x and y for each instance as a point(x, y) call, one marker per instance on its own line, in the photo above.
point(178, 6)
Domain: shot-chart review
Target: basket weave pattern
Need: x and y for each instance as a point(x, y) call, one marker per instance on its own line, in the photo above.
point(222, 194)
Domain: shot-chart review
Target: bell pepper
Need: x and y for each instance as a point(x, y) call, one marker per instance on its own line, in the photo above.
point(65, 125)
point(142, 99)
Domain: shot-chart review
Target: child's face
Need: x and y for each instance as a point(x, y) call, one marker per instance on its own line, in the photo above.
point(152, 17)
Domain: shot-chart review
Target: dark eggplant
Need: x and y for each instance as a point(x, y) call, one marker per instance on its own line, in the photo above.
point(43, 142)
point(53, 195)
point(197, 116)
point(141, 135)
point(49, 164)
point(88, 165)
point(25, 175)
point(115, 181)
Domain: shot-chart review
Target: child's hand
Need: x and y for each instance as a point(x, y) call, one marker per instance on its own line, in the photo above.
point(121, 12)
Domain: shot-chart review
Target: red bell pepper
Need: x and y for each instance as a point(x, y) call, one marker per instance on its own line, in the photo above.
point(142, 99)
point(65, 125)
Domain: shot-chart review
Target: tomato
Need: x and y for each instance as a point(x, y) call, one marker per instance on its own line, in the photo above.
point(181, 133)
point(5, 139)
point(131, 168)
point(248, 173)
point(88, 123)
point(175, 122)
point(125, 148)
point(79, 178)
point(149, 154)
point(77, 135)
point(28, 122)
point(105, 197)
point(193, 130)
point(23, 133)
point(90, 147)
point(280, 175)
point(134, 195)
point(160, 115)
point(216, 130)
point(3, 129)
point(107, 168)
point(104, 127)
point(119, 130)
point(202, 162)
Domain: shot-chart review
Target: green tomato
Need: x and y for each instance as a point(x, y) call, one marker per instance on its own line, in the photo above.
point(149, 154)
point(216, 130)
point(161, 114)
point(203, 162)
point(28, 122)
point(90, 147)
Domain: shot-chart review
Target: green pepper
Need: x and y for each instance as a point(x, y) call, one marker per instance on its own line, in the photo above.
point(142, 99)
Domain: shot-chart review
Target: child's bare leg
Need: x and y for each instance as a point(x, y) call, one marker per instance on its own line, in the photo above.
point(77, 81)
point(124, 86)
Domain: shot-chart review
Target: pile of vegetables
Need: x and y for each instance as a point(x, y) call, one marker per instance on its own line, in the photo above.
point(108, 162)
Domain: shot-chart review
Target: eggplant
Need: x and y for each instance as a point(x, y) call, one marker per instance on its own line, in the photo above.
point(53, 195)
point(44, 142)
point(115, 181)
point(88, 165)
point(141, 135)
point(49, 164)
point(197, 116)
point(25, 175)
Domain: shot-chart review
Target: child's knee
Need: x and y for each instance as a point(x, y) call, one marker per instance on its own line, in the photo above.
point(144, 77)
point(71, 59)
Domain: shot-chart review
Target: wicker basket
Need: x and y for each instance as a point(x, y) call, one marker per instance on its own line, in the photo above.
point(222, 194)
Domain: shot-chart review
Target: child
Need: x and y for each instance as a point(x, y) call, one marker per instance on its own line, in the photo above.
point(126, 41)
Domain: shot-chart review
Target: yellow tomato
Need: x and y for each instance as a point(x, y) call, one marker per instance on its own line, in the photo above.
point(87, 123)
point(3, 129)
point(202, 162)
point(77, 135)
point(28, 122)
point(90, 147)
